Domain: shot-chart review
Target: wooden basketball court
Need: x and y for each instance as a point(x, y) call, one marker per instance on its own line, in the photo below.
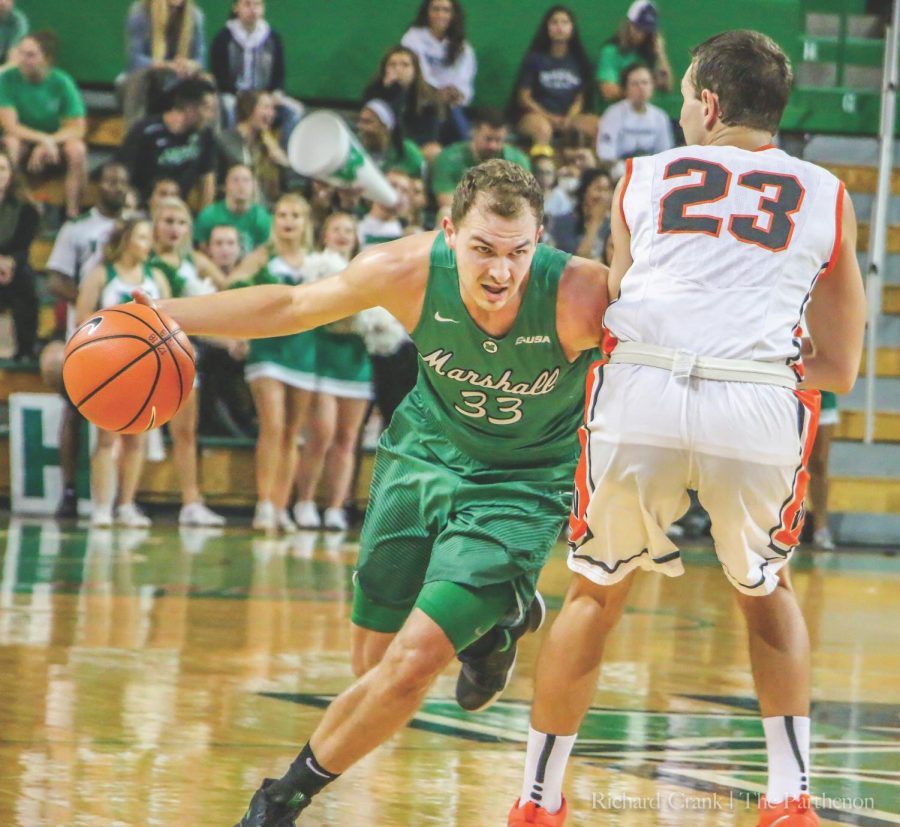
point(154, 677)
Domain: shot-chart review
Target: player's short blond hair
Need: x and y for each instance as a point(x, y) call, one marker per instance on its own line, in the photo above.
point(507, 187)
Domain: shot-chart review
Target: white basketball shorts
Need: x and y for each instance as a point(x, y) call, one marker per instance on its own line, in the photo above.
point(650, 436)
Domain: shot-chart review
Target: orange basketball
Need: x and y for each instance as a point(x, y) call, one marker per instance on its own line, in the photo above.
point(128, 368)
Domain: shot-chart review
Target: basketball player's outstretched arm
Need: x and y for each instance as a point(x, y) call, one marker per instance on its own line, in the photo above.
point(390, 275)
point(836, 317)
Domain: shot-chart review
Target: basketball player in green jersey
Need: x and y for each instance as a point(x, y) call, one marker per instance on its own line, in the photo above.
point(472, 478)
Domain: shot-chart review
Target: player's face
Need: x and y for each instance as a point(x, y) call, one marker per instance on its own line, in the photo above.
point(340, 235)
point(559, 27)
point(692, 119)
point(493, 255)
point(399, 69)
point(440, 13)
point(141, 241)
point(224, 247)
point(171, 228)
point(639, 89)
point(113, 187)
point(239, 185)
point(290, 221)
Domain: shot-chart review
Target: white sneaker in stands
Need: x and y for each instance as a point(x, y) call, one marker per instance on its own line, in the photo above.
point(285, 523)
point(264, 516)
point(198, 514)
point(307, 515)
point(335, 519)
point(130, 516)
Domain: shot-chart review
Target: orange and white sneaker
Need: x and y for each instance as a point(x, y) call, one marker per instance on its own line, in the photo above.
point(533, 813)
point(793, 812)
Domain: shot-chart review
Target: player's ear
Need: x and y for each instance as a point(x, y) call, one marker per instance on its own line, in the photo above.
point(711, 108)
point(449, 231)
point(540, 233)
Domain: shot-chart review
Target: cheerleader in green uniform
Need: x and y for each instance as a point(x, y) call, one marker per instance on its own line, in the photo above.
point(344, 374)
point(188, 273)
point(281, 371)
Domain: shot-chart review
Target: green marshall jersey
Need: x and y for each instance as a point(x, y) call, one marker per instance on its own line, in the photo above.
point(506, 401)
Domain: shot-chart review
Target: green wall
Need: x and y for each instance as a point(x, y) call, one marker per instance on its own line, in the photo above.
point(333, 46)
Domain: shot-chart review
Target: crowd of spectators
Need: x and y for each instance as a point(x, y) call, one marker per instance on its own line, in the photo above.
point(201, 196)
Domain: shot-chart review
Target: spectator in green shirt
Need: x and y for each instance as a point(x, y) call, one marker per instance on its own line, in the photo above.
point(42, 116)
point(13, 27)
point(238, 209)
point(637, 41)
point(488, 140)
point(382, 136)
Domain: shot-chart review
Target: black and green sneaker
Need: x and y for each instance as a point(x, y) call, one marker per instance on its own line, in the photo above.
point(271, 807)
point(484, 675)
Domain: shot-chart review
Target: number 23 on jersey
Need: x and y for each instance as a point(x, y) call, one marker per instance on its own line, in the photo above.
point(714, 185)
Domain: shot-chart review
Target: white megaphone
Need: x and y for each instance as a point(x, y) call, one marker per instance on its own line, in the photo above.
point(323, 147)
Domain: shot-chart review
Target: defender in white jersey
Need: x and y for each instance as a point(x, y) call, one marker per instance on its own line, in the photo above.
point(720, 248)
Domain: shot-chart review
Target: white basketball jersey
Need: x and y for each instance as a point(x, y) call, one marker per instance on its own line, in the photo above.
point(727, 246)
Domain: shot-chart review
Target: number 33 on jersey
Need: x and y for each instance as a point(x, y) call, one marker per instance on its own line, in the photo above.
point(729, 243)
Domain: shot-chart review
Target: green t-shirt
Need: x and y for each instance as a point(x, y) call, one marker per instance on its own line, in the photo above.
point(13, 28)
point(452, 163)
point(42, 106)
point(254, 226)
point(612, 63)
point(411, 160)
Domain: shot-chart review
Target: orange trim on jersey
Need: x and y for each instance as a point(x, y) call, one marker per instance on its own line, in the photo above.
point(582, 496)
point(787, 535)
point(625, 183)
point(838, 231)
point(763, 148)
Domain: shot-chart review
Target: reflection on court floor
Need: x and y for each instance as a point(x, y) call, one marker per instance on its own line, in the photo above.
point(153, 677)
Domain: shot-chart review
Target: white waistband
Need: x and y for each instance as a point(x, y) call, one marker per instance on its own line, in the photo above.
point(685, 364)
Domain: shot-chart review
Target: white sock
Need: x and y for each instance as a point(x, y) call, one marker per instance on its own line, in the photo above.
point(545, 766)
point(787, 744)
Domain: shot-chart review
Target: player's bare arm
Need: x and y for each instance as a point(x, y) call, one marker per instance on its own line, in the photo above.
point(621, 237)
point(391, 275)
point(836, 317)
point(580, 306)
